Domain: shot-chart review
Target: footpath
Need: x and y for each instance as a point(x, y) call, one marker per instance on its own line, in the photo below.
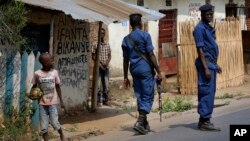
point(121, 115)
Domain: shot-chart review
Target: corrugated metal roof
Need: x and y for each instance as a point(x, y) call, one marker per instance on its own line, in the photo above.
point(106, 11)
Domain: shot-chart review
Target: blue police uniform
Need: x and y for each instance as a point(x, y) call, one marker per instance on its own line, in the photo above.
point(143, 78)
point(204, 36)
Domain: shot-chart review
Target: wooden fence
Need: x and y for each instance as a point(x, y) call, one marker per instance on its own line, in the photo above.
point(229, 39)
point(15, 81)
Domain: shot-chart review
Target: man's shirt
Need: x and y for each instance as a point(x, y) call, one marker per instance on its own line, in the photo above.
point(105, 52)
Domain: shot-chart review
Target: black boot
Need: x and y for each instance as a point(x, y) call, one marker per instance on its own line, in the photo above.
point(140, 124)
point(146, 125)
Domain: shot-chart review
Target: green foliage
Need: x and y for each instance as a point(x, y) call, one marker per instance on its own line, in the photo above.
point(128, 108)
point(12, 131)
point(179, 104)
point(73, 128)
point(225, 96)
point(12, 21)
point(17, 127)
point(167, 106)
point(52, 135)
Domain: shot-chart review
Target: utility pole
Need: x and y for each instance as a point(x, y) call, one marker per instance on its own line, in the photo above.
point(140, 2)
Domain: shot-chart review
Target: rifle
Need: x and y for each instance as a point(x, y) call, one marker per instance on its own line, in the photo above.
point(159, 89)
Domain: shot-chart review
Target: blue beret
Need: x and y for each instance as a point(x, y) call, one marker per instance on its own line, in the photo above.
point(206, 7)
point(135, 15)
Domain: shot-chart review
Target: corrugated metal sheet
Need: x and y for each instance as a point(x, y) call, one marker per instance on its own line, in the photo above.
point(106, 11)
point(69, 7)
point(151, 14)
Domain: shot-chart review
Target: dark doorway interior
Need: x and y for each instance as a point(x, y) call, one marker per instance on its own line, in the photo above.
point(37, 38)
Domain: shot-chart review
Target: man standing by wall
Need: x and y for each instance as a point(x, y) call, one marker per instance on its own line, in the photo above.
point(207, 67)
point(105, 57)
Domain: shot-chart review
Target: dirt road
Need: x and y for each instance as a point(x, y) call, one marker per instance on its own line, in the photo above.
point(107, 119)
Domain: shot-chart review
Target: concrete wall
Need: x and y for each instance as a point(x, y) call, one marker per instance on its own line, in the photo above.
point(153, 30)
point(117, 31)
point(189, 9)
point(71, 50)
point(155, 5)
point(39, 17)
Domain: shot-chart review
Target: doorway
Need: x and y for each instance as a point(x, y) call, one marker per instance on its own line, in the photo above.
point(37, 38)
point(167, 41)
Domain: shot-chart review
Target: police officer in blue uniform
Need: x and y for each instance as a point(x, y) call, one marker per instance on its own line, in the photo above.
point(140, 69)
point(207, 67)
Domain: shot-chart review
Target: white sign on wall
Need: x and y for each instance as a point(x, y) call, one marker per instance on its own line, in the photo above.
point(193, 10)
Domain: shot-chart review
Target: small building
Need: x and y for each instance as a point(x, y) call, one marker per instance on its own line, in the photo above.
point(176, 11)
point(66, 29)
point(245, 38)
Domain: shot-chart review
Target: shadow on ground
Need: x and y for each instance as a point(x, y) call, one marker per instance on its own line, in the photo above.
point(101, 113)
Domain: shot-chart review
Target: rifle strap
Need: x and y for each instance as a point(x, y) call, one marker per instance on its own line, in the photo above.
point(132, 42)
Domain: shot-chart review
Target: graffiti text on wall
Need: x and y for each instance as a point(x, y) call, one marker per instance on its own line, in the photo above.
point(67, 47)
point(72, 47)
point(73, 77)
point(194, 10)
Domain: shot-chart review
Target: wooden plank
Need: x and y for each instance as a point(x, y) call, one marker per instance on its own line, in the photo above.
point(2, 84)
point(24, 63)
point(9, 83)
point(16, 82)
point(30, 68)
point(35, 103)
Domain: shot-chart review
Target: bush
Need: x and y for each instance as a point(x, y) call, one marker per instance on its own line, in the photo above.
point(17, 127)
point(182, 105)
point(12, 21)
point(225, 96)
point(179, 104)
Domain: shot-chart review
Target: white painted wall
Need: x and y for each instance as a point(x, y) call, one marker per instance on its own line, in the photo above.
point(71, 50)
point(154, 4)
point(117, 31)
point(153, 30)
point(185, 7)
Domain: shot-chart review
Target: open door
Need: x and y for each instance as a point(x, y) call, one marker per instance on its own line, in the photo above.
point(168, 41)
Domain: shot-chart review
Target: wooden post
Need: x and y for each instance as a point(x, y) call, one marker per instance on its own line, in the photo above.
point(178, 68)
point(52, 21)
point(96, 72)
